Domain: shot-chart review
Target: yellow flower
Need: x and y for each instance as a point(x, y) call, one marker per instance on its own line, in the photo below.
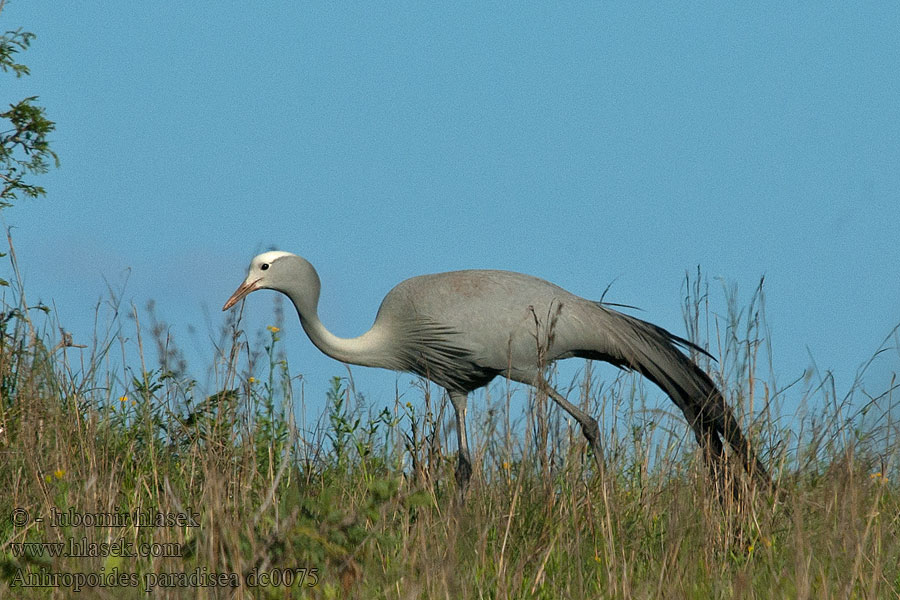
point(123, 398)
point(59, 473)
point(879, 476)
point(506, 466)
point(273, 329)
point(252, 380)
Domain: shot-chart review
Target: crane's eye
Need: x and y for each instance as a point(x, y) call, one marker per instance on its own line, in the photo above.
point(264, 266)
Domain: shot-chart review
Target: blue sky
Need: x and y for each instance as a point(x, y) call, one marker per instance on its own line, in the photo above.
point(583, 143)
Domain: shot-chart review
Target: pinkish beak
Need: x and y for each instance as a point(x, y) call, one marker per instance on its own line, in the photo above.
point(243, 290)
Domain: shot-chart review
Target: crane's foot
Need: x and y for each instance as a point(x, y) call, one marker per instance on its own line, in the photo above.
point(591, 431)
point(463, 475)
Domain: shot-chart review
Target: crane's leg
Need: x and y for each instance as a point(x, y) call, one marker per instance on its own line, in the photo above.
point(589, 426)
point(464, 464)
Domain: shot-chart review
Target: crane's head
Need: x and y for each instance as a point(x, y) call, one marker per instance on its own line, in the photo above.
point(270, 270)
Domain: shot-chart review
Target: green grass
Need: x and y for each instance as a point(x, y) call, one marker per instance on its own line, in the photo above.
point(365, 500)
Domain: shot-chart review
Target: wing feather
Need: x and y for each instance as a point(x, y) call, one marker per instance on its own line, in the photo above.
point(432, 350)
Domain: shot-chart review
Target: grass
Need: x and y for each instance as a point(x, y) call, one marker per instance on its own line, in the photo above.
point(223, 495)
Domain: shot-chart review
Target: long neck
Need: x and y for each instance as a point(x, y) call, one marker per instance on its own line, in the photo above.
point(368, 349)
point(362, 350)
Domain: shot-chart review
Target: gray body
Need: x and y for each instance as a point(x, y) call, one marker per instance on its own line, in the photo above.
point(486, 323)
point(463, 328)
point(490, 323)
